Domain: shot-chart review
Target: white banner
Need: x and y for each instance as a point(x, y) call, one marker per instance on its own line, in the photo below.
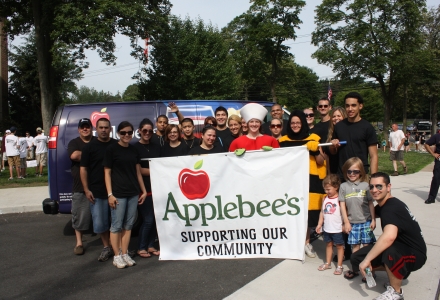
point(227, 206)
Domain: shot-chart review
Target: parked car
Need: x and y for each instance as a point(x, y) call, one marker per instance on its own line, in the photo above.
point(411, 127)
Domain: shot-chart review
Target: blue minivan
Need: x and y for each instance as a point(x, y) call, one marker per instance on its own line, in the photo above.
point(65, 128)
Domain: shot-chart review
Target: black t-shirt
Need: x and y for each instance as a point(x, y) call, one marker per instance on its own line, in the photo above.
point(123, 160)
point(147, 151)
point(434, 140)
point(321, 129)
point(168, 151)
point(191, 143)
point(157, 139)
point(422, 139)
point(266, 128)
point(224, 138)
point(77, 144)
point(199, 150)
point(92, 157)
point(359, 136)
point(396, 213)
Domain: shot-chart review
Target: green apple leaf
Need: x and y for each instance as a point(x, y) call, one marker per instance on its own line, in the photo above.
point(240, 151)
point(104, 109)
point(198, 164)
point(267, 148)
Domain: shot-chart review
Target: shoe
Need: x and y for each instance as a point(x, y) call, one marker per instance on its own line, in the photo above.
point(405, 170)
point(11, 178)
point(390, 294)
point(78, 250)
point(106, 253)
point(21, 177)
point(308, 249)
point(128, 260)
point(119, 262)
point(395, 173)
point(429, 201)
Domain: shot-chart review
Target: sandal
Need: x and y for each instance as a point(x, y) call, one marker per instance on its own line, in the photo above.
point(324, 267)
point(338, 270)
point(365, 279)
point(350, 274)
point(144, 253)
point(154, 251)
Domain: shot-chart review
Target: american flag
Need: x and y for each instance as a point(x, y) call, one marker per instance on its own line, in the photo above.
point(329, 92)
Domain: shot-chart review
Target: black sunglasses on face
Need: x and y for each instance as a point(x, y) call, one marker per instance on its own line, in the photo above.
point(275, 125)
point(145, 131)
point(378, 186)
point(310, 115)
point(126, 132)
point(323, 106)
point(355, 172)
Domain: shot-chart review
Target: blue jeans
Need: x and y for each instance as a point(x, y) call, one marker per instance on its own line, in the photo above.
point(123, 215)
point(100, 215)
point(147, 231)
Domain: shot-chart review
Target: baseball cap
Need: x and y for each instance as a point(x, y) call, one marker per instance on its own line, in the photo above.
point(8, 131)
point(13, 129)
point(84, 121)
point(39, 129)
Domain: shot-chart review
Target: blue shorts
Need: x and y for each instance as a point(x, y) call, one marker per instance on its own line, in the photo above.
point(361, 233)
point(124, 214)
point(336, 238)
point(100, 215)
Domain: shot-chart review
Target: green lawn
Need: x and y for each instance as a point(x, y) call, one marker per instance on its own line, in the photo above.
point(30, 180)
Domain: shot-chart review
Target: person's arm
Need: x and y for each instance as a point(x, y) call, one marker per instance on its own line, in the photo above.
point(320, 158)
point(141, 184)
point(112, 201)
point(401, 143)
point(334, 147)
point(318, 228)
point(373, 215)
point(347, 225)
point(84, 180)
point(384, 242)
point(76, 155)
point(145, 171)
point(174, 109)
point(372, 150)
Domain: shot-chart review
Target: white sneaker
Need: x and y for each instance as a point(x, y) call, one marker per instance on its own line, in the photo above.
point(308, 249)
point(119, 262)
point(390, 294)
point(128, 260)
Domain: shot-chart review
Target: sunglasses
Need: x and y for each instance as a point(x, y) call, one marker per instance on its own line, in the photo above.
point(377, 186)
point(275, 125)
point(310, 115)
point(85, 127)
point(145, 131)
point(355, 172)
point(126, 132)
point(323, 106)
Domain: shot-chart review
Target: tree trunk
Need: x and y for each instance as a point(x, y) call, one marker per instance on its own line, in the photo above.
point(45, 70)
point(405, 105)
point(433, 104)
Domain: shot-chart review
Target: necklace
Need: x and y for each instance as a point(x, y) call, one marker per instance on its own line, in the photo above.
point(190, 146)
point(146, 146)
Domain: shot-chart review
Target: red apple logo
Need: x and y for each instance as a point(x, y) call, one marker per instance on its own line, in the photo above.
point(194, 184)
point(96, 115)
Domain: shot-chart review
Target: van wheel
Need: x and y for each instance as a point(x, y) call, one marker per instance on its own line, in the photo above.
point(137, 224)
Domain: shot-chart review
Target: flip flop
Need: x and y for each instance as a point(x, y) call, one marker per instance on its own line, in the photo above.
point(350, 274)
point(154, 251)
point(144, 253)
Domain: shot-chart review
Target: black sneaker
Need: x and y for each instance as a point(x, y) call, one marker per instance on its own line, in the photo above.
point(429, 201)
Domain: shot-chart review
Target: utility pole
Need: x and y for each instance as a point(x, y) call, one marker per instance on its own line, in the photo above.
point(3, 71)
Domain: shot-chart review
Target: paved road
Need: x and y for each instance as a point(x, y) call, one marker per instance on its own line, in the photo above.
point(38, 263)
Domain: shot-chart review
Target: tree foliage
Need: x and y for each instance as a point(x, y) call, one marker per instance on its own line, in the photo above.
point(90, 95)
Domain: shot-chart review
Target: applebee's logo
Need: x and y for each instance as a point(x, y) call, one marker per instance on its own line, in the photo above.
point(96, 115)
point(194, 184)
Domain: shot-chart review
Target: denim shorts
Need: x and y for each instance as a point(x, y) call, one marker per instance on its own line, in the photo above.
point(100, 215)
point(336, 238)
point(124, 214)
point(361, 233)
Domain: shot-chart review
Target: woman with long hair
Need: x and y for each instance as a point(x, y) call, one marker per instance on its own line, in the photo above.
point(173, 142)
point(234, 124)
point(337, 114)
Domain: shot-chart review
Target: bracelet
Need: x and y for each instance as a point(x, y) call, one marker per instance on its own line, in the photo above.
point(108, 196)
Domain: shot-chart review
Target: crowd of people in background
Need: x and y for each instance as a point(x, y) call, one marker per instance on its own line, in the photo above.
point(17, 150)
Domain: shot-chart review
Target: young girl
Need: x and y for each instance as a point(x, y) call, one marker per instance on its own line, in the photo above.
point(356, 207)
point(331, 217)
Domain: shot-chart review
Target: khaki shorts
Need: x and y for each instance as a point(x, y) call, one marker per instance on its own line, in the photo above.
point(30, 154)
point(396, 155)
point(41, 159)
point(14, 161)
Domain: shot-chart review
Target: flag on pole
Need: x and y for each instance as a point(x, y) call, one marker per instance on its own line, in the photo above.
point(147, 39)
point(329, 92)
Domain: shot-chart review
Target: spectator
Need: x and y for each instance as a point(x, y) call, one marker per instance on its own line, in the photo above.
point(223, 135)
point(322, 127)
point(400, 249)
point(336, 115)
point(126, 189)
point(310, 117)
point(159, 135)
point(276, 112)
point(4, 156)
point(276, 126)
point(407, 143)
point(173, 142)
point(435, 182)
point(234, 124)
point(13, 153)
point(298, 135)
point(417, 141)
point(40, 141)
point(255, 139)
point(30, 146)
point(81, 215)
point(189, 139)
point(208, 145)
point(397, 140)
point(23, 153)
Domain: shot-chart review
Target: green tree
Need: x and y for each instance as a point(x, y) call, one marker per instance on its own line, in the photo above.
point(76, 26)
point(90, 95)
point(307, 89)
point(369, 39)
point(131, 93)
point(190, 60)
point(265, 27)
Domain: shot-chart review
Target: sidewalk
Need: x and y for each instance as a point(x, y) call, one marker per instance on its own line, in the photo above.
point(292, 279)
point(20, 200)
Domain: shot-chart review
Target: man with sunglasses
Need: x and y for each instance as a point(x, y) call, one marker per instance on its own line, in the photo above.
point(81, 216)
point(321, 128)
point(277, 112)
point(92, 179)
point(400, 249)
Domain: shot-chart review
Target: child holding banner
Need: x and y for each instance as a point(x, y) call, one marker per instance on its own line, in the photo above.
point(330, 222)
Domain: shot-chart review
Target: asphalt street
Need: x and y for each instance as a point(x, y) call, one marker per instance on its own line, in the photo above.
point(38, 263)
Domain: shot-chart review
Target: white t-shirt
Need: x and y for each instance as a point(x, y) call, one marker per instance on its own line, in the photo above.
point(40, 141)
point(30, 141)
point(332, 215)
point(23, 147)
point(395, 140)
point(11, 143)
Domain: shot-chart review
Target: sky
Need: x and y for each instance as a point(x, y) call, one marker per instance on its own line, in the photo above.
point(117, 78)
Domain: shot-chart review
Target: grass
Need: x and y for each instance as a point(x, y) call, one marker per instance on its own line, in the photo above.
point(415, 161)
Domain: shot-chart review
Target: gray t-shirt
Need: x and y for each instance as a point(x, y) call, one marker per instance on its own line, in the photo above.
point(356, 196)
